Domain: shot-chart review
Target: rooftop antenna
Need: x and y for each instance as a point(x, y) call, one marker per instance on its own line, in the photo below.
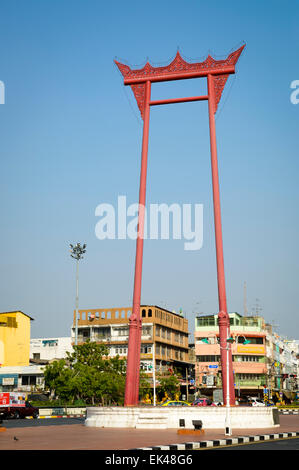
point(256, 310)
point(274, 325)
point(245, 299)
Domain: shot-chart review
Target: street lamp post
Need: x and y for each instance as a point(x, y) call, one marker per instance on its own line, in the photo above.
point(154, 373)
point(227, 397)
point(228, 430)
point(77, 253)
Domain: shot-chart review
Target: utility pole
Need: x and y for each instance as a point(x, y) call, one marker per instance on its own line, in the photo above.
point(154, 372)
point(187, 384)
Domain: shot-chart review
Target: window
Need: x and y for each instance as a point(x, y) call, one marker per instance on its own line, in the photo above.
point(206, 321)
point(49, 342)
point(123, 331)
point(84, 332)
point(207, 358)
point(146, 330)
point(253, 340)
point(28, 380)
point(121, 350)
point(247, 358)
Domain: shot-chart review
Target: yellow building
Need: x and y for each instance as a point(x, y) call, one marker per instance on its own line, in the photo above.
point(14, 339)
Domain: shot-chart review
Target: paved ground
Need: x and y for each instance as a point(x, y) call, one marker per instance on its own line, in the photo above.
point(80, 437)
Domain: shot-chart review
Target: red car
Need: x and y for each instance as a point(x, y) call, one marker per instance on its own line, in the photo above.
point(16, 412)
point(203, 402)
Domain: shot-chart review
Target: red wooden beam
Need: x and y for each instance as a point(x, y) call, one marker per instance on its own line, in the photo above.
point(179, 100)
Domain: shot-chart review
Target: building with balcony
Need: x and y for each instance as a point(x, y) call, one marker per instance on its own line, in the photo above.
point(248, 353)
point(262, 360)
point(164, 338)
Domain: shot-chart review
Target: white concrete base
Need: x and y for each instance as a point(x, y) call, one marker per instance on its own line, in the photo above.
point(169, 418)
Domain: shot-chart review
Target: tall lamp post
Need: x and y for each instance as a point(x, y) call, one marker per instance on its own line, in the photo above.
point(77, 253)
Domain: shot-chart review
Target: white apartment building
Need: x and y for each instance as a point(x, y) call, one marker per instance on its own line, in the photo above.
point(49, 349)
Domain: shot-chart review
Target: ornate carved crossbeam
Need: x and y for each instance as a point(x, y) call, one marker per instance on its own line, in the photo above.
point(179, 69)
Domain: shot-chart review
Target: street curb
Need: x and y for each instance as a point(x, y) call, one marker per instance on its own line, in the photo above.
point(57, 416)
point(222, 442)
point(289, 412)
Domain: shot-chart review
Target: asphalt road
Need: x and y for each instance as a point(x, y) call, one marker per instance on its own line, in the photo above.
point(281, 444)
point(27, 423)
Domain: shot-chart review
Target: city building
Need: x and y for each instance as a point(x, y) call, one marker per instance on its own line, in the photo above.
point(43, 350)
point(30, 378)
point(22, 378)
point(14, 338)
point(261, 360)
point(289, 363)
point(164, 339)
point(282, 364)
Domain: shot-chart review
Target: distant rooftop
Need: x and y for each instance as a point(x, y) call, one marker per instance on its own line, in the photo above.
point(17, 311)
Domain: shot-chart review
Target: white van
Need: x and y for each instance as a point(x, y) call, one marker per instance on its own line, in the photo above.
point(255, 401)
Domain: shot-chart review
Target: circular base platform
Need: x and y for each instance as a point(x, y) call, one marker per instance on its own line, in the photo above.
point(160, 417)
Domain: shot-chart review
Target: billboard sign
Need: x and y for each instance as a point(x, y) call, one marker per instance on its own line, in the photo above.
point(251, 348)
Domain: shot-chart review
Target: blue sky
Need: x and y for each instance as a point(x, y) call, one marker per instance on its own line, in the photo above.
point(70, 139)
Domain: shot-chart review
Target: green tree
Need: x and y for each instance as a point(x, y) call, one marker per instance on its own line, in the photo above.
point(145, 385)
point(87, 374)
point(169, 384)
point(58, 379)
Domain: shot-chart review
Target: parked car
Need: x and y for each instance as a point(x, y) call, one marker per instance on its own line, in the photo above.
point(203, 402)
point(38, 397)
point(256, 402)
point(176, 403)
point(15, 412)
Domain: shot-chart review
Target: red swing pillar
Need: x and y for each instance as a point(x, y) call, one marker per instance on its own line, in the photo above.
point(223, 317)
point(135, 323)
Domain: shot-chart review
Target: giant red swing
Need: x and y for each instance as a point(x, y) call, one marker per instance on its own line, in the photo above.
point(140, 80)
